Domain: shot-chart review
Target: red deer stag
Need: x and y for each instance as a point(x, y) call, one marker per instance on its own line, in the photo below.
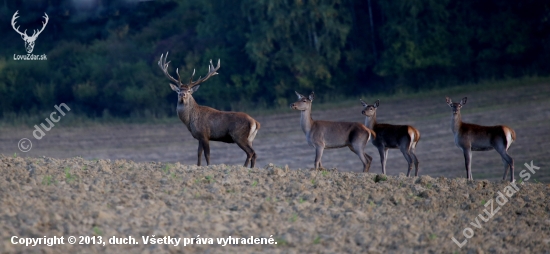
point(325, 134)
point(206, 123)
point(404, 137)
point(473, 137)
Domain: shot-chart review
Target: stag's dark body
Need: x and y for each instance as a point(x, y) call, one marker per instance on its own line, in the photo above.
point(206, 123)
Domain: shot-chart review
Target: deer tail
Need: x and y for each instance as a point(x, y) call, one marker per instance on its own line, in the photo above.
point(415, 137)
point(510, 136)
point(254, 127)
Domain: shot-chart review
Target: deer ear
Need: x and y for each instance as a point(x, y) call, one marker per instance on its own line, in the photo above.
point(363, 103)
point(195, 88)
point(312, 96)
point(377, 103)
point(174, 88)
point(299, 95)
point(449, 101)
point(463, 101)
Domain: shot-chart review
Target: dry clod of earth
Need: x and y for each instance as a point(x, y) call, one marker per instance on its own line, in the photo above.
point(304, 211)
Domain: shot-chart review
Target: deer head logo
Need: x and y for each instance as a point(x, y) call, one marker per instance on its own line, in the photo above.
point(29, 40)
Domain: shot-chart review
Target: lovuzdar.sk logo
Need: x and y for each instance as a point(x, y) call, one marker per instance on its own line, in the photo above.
point(29, 40)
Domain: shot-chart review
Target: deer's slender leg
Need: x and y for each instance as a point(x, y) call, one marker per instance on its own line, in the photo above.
point(369, 160)
point(415, 162)
point(506, 167)
point(468, 162)
point(508, 162)
point(382, 151)
point(318, 155)
point(359, 149)
point(199, 153)
point(405, 150)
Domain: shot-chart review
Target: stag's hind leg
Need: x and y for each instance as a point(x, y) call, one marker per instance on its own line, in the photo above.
point(250, 153)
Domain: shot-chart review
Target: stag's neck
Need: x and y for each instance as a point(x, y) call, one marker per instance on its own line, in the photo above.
point(186, 111)
point(306, 121)
point(370, 121)
point(456, 122)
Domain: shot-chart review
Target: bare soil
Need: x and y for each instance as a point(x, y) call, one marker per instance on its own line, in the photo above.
point(302, 210)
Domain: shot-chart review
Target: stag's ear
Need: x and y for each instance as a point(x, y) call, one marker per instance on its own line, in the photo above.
point(376, 103)
point(463, 101)
point(195, 88)
point(299, 95)
point(449, 101)
point(174, 88)
point(363, 103)
point(312, 96)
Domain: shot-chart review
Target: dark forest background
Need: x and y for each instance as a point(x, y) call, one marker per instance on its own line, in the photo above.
point(102, 55)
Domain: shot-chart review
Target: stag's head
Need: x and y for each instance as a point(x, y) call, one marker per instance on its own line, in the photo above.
point(29, 40)
point(303, 103)
point(185, 90)
point(369, 110)
point(456, 106)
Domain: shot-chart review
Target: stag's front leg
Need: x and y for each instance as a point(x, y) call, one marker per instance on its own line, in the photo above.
point(199, 153)
point(206, 147)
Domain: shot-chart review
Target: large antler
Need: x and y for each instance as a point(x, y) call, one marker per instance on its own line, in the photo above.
point(35, 32)
point(164, 67)
point(13, 24)
point(211, 72)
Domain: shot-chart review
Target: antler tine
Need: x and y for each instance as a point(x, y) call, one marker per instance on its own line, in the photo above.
point(178, 73)
point(211, 72)
point(191, 79)
point(164, 67)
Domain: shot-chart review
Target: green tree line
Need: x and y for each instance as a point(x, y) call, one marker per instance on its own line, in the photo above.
point(102, 55)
